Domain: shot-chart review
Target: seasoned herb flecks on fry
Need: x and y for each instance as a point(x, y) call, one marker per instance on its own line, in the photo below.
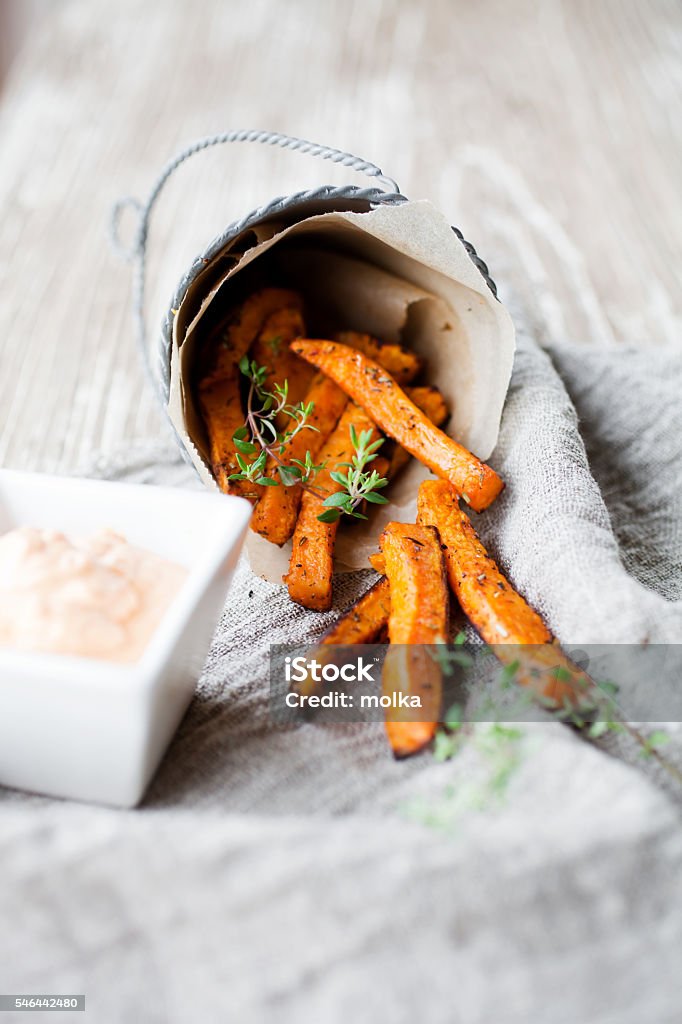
point(218, 386)
point(310, 571)
point(368, 384)
point(418, 619)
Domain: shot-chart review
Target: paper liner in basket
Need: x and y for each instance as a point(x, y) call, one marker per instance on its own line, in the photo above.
point(397, 272)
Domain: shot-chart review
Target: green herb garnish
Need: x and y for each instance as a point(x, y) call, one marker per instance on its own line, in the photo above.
point(358, 484)
point(260, 440)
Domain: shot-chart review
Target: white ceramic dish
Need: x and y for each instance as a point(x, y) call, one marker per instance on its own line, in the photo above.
point(95, 730)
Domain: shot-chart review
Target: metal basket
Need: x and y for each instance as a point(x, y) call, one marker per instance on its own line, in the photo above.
point(293, 208)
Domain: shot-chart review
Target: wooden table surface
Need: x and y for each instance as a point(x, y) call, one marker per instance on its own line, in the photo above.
point(548, 130)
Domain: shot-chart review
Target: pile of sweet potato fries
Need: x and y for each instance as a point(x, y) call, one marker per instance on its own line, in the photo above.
point(355, 381)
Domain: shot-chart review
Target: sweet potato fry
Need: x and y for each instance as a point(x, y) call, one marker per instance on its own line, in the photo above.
point(235, 335)
point(279, 522)
point(488, 600)
point(502, 617)
point(218, 387)
point(412, 672)
point(271, 349)
point(401, 363)
point(310, 571)
point(418, 618)
point(274, 516)
point(416, 573)
point(432, 404)
point(276, 511)
point(364, 621)
point(222, 412)
point(376, 391)
point(378, 562)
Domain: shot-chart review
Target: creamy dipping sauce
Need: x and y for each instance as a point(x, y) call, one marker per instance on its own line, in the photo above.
point(94, 597)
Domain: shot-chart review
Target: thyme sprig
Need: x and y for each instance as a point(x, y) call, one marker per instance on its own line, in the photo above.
point(500, 746)
point(593, 710)
point(358, 485)
point(497, 752)
point(260, 436)
point(260, 440)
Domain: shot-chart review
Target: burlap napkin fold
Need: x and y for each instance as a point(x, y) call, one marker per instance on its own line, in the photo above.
point(282, 875)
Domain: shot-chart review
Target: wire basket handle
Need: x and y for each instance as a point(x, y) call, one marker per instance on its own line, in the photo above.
point(135, 253)
point(143, 210)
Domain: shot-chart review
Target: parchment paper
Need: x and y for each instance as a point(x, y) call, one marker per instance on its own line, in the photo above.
point(398, 272)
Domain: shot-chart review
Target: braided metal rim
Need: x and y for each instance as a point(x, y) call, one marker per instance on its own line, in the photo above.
point(159, 375)
point(480, 264)
point(328, 193)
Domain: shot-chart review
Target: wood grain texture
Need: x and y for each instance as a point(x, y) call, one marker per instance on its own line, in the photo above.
point(548, 132)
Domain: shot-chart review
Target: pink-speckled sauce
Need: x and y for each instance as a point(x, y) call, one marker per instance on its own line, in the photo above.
point(93, 597)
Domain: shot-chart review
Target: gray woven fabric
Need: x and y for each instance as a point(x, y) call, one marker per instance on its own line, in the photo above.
point(281, 874)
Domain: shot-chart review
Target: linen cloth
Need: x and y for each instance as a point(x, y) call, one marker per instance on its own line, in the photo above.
point(280, 874)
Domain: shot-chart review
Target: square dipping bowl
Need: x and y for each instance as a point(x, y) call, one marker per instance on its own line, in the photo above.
point(96, 730)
